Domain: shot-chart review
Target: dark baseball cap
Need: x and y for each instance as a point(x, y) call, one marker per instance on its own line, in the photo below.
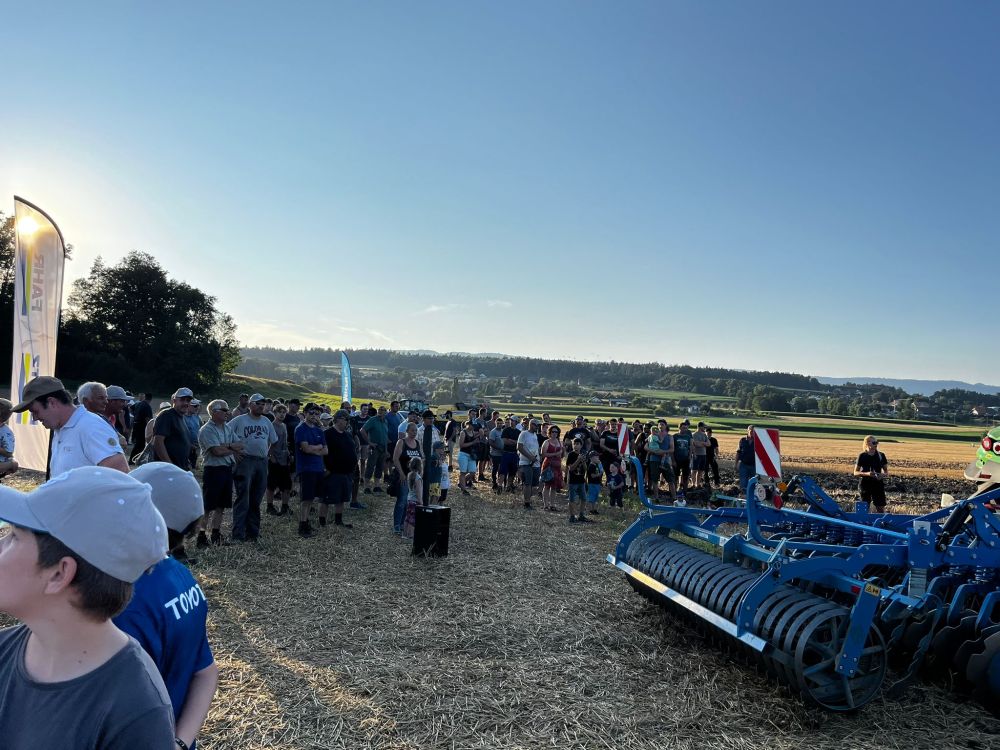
point(43, 385)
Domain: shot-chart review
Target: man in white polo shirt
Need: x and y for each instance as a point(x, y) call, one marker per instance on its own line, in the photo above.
point(79, 437)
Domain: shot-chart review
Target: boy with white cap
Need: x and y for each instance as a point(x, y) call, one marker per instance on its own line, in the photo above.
point(168, 612)
point(69, 678)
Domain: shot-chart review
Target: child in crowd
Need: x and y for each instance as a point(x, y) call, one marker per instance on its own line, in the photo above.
point(168, 611)
point(415, 484)
point(576, 480)
point(616, 484)
point(594, 473)
point(437, 469)
point(439, 492)
point(7, 463)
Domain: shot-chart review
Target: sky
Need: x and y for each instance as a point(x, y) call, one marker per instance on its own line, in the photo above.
point(806, 187)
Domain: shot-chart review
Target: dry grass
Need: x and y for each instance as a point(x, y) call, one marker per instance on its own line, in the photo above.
point(916, 458)
point(522, 638)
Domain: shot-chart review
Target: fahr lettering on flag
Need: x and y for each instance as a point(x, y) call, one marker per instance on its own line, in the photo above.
point(767, 452)
point(624, 447)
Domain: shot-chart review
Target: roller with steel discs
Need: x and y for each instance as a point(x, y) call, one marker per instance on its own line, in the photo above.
point(823, 599)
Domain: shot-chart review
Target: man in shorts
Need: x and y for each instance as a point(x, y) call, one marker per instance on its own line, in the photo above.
point(508, 459)
point(529, 462)
point(682, 453)
point(219, 453)
point(341, 465)
point(700, 443)
point(310, 447)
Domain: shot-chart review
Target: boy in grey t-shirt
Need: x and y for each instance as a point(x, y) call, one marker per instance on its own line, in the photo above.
point(69, 678)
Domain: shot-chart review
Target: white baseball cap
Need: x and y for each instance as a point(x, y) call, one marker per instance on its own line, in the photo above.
point(106, 517)
point(256, 397)
point(176, 493)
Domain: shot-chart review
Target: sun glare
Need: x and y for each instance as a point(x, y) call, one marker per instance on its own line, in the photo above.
point(27, 225)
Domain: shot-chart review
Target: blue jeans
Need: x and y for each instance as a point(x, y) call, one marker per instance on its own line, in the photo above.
point(399, 511)
point(250, 478)
point(746, 472)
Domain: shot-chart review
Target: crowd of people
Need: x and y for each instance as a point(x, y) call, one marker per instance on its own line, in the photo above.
point(112, 648)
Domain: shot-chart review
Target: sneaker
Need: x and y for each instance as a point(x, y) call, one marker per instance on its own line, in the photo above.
point(572, 519)
point(367, 491)
point(202, 540)
point(594, 512)
point(285, 511)
point(271, 510)
point(305, 530)
point(322, 521)
point(464, 491)
point(358, 506)
point(584, 519)
point(343, 524)
point(528, 506)
point(680, 503)
point(377, 490)
point(552, 509)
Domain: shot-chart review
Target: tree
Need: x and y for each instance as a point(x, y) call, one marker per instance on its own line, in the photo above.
point(130, 321)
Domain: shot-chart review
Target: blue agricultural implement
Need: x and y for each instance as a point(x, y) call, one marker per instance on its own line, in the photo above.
point(830, 601)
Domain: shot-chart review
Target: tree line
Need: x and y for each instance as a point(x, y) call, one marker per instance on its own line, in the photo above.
point(131, 324)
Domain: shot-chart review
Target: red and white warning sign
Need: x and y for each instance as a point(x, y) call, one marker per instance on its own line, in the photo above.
point(624, 449)
point(767, 451)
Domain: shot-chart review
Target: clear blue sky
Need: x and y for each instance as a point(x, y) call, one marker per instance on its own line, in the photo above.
point(812, 187)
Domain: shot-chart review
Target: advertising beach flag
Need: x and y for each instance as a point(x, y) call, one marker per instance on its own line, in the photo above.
point(345, 377)
point(39, 256)
point(767, 451)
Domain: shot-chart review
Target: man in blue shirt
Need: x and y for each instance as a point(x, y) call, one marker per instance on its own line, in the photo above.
point(167, 613)
point(310, 447)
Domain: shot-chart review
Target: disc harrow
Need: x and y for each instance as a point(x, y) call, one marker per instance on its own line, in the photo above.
point(825, 600)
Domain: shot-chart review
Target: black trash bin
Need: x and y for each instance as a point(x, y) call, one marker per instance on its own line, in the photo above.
point(430, 530)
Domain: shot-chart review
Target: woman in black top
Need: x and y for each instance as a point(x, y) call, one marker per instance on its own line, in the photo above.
point(407, 448)
point(873, 468)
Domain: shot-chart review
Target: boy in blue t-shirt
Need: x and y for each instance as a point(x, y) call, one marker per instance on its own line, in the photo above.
point(168, 611)
point(594, 473)
point(7, 463)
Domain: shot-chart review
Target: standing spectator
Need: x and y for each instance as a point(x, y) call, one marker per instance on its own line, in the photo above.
point(171, 436)
point(219, 452)
point(93, 397)
point(746, 461)
point(496, 451)
point(580, 431)
point(609, 447)
point(268, 406)
point(392, 422)
point(407, 449)
point(468, 444)
point(171, 632)
point(279, 476)
point(69, 678)
point(241, 408)
point(79, 437)
point(700, 443)
point(682, 454)
point(115, 411)
point(552, 471)
point(375, 432)
point(483, 454)
point(873, 468)
point(509, 462)
point(415, 490)
point(7, 463)
point(341, 463)
point(142, 415)
point(660, 450)
point(451, 429)
point(595, 470)
point(529, 461)
point(441, 482)
point(310, 448)
point(427, 435)
point(616, 486)
point(576, 481)
point(712, 460)
point(250, 477)
point(193, 422)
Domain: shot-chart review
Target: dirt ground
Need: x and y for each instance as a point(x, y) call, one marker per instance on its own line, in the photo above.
point(523, 637)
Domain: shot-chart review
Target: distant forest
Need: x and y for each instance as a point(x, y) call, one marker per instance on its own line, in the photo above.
point(600, 374)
